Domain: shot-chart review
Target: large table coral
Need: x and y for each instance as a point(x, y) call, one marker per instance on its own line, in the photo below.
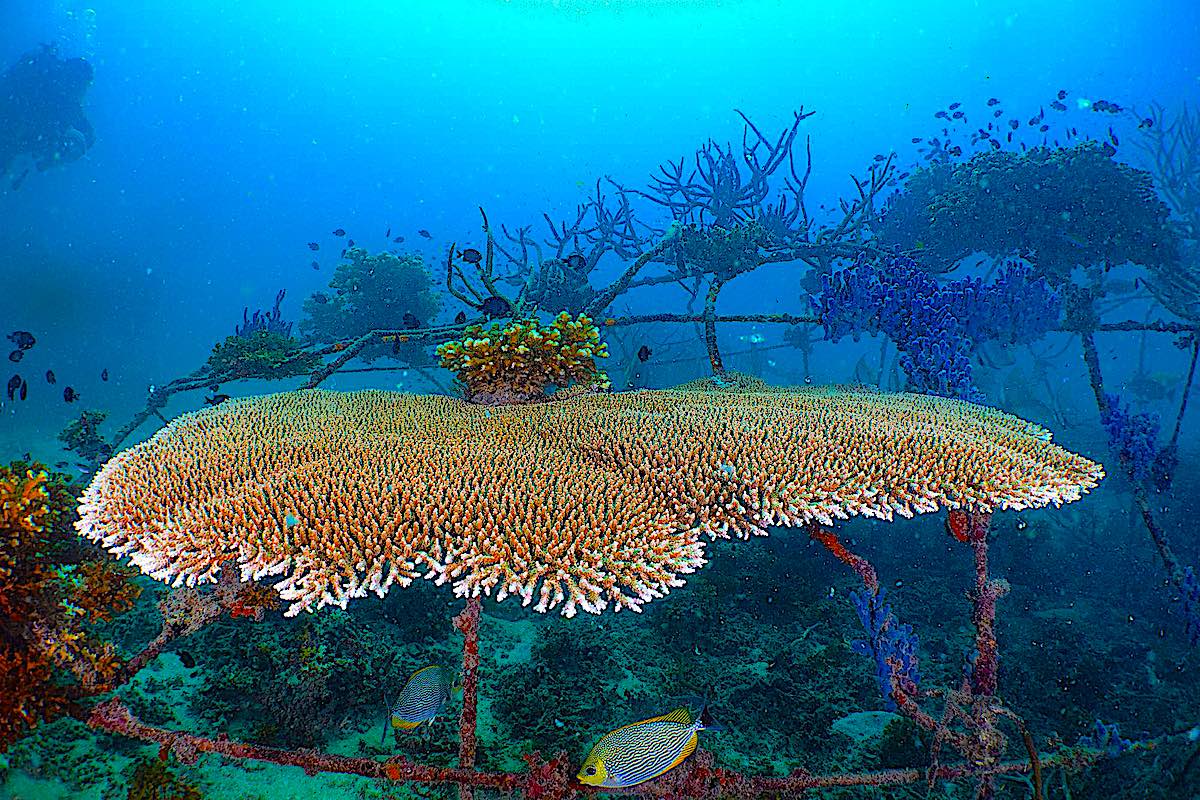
point(596, 501)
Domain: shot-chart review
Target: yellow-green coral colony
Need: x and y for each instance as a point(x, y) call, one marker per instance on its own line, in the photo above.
point(523, 359)
point(599, 501)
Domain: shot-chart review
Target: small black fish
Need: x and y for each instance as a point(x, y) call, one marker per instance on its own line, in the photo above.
point(995, 145)
point(916, 140)
point(388, 234)
point(643, 354)
point(993, 101)
point(424, 234)
point(14, 383)
point(410, 321)
point(24, 390)
point(470, 255)
point(70, 395)
point(61, 464)
point(1057, 106)
point(955, 151)
point(496, 306)
point(1112, 137)
point(50, 377)
point(343, 253)
point(941, 115)
point(216, 399)
point(902, 175)
point(1062, 94)
point(314, 246)
point(104, 374)
point(999, 112)
point(16, 355)
point(320, 297)
point(1146, 123)
point(1044, 128)
point(22, 339)
point(350, 243)
point(340, 232)
point(316, 265)
point(398, 240)
point(577, 262)
point(186, 659)
point(878, 158)
point(954, 106)
point(957, 115)
point(460, 318)
point(1014, 124)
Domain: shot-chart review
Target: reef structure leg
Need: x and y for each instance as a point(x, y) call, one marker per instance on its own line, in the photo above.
point(467, 622)
point(710, 326)
point(974, 706)
point(1175, 570)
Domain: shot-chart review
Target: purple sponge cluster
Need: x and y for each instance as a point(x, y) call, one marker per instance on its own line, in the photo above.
point(888, 640)
point(1133, 436)
point(936, 326)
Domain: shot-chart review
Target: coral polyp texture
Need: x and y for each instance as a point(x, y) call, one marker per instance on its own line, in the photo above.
point(600, 501)
point(523, 359)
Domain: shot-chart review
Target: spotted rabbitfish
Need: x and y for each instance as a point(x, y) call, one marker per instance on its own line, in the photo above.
point(421, 699)
point(636, 753)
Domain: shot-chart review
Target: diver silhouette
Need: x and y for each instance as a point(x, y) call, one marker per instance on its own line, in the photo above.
point(41, 111)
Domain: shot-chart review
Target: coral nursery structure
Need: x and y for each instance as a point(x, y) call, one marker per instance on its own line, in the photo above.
point(540, 486)
point(592, 502)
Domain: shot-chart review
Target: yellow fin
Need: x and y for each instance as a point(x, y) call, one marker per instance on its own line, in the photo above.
point(404, 724)
point(688, 749)
point(680, 715)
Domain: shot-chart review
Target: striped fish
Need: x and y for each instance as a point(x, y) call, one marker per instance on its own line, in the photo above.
point(636, 753)
point(421, 699)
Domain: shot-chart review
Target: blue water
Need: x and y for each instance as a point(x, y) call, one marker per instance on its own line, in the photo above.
point(231, 134)
point(228, 135)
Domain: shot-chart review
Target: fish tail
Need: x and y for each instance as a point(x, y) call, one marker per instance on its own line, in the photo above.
point(705, 722)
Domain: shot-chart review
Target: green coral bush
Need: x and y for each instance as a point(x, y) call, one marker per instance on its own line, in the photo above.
point(83, 437)
point(725, 252)
point(1060, 208)
point(372, 292)
point(265, 355)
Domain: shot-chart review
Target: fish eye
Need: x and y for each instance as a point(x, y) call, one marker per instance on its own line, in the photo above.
point(590, 770)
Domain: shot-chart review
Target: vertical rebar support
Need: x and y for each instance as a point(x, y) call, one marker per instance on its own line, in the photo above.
point(467, 622)
point(710, 326)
